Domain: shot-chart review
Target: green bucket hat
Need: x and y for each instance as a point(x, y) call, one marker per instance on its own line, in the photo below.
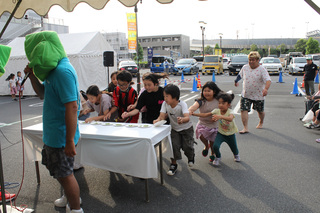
point(4, 57)
point(44, 51)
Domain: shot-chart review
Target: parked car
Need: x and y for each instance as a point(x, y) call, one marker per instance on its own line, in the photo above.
point(187, 66)
point(237, 63)
point(273, 65)
point(158, 64)
point(130, 66)
point(226, 61)
point(296, 65)
point(212, 63)
point(273, 56)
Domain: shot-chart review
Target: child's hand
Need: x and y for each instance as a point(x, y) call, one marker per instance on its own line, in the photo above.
point(155, 121)
point(107, 117)
point(191, 112)
point(130, 107)
point(125, 115)
point(215, 117)
point(88, 120)
point(180, 120)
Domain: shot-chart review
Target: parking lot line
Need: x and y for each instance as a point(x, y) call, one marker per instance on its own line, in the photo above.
point(16, 122)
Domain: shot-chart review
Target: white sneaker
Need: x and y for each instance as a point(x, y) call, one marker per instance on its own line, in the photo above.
point(63, 201)
point(216, 161)
point(73, 210)
point(237, 158)
point(77, 166)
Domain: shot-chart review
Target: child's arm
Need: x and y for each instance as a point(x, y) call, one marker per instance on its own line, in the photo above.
point(109, 113)
point(132, 106)
point(194, 107)
point(97, 118)
point(204, 114)
point(162, 116)
point(184, 119)
point(227, 118)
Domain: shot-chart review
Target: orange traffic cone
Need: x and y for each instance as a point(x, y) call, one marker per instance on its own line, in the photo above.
point(302, 85)
point(199, 81)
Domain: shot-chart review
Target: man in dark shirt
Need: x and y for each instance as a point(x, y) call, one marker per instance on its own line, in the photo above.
point(310, 70)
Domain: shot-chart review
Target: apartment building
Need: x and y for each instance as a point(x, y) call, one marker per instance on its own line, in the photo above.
point(176, 46)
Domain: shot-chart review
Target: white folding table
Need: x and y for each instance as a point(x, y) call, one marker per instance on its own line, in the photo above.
point(117, 147)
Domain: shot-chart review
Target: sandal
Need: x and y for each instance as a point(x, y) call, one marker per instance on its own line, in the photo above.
point(211, 158)
point(205, 152)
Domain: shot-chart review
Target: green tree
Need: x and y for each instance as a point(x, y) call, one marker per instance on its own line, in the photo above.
point(208, 50)
point(281, 48)
point(233, 51)
point(312, 46)
point(253, 47)
point(140, 53)
point(217, 46)
point(301, 45)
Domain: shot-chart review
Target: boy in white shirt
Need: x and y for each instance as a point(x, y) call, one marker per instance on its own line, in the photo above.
point(182, 128)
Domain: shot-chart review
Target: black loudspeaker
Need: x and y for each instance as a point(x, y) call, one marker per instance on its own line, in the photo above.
point(108, 59)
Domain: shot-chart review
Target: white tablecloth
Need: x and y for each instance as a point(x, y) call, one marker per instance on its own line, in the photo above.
point(127, 150)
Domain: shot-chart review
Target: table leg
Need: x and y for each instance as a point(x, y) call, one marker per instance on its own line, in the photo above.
point(161, 163)
point(37, 172)
point(147, 190)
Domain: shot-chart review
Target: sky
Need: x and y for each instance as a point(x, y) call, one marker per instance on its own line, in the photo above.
point(245, 18)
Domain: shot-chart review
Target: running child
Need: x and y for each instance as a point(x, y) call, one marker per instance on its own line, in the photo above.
point(152, 98)
point(124, 96)
point(181, 126)
point(206, 129)
point(227, 128)
point(12, 86)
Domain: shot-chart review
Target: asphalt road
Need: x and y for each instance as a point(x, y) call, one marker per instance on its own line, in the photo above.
point(279, 171)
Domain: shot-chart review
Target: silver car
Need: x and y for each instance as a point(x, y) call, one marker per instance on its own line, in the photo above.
point(296, 65)
point(273, 65)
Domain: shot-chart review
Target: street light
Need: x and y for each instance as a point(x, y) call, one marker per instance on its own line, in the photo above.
point(220, 34)
point(202, 27)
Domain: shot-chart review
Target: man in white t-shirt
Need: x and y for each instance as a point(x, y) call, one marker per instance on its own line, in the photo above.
point(256, 82)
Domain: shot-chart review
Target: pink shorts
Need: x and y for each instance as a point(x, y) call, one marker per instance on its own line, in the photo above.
point(13, 91)
point(208, 133)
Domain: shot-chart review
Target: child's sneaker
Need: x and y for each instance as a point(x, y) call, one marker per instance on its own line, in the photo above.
point(216, 162)
point(173, 169)
point(237, 158)
point(313, 125)
point(191, 162)
point(211, 158)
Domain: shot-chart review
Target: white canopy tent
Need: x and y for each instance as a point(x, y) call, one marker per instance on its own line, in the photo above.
point(85, 52)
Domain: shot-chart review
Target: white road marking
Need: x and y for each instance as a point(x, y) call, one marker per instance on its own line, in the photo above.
point(10, 124)
point(36, 105)
point(190, 98)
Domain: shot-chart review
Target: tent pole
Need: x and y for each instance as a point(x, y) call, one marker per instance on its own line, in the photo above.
point(11, 16)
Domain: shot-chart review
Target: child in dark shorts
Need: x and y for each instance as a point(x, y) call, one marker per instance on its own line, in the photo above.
point(181, 126)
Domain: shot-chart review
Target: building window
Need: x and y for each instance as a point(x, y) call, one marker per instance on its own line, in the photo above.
point(176, 47)
point(122, 48)
point(156, 39)
point(166, 39)
point(157, 48)
point(146, 40)
point(176, 38)
point(166, 48)
point(145, 48)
